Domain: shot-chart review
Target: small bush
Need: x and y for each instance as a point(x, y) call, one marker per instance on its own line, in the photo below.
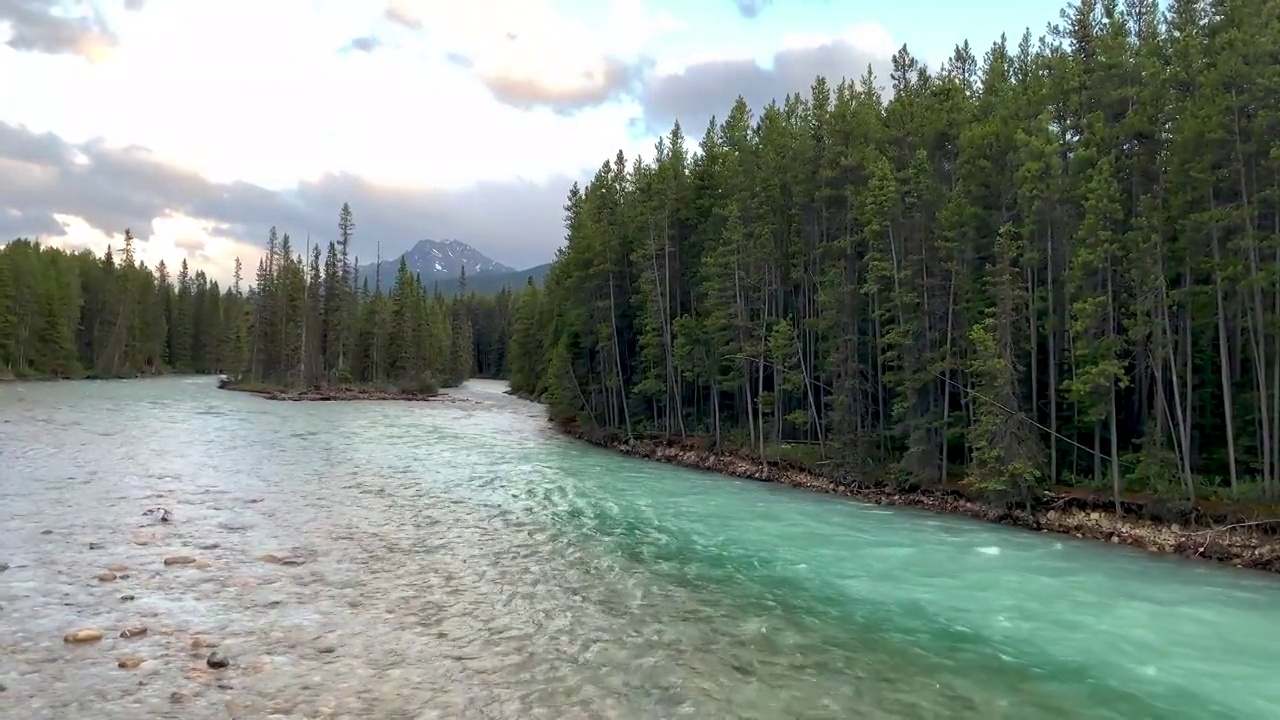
point(424, 384)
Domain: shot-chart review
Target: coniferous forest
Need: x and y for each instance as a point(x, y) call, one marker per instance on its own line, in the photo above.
point(307, 320)
point(1058, 264)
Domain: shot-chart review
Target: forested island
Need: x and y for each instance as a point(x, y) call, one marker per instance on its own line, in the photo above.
point(1044, 280)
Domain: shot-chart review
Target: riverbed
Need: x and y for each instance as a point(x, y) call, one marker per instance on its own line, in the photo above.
point(463, 560)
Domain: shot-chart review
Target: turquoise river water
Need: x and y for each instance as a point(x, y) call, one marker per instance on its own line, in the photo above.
point(462, 560)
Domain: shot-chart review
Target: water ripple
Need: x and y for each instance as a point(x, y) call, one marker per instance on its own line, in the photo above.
point(399, 560)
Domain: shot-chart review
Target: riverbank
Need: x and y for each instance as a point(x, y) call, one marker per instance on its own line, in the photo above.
point(1222, 535)
point(338, 393)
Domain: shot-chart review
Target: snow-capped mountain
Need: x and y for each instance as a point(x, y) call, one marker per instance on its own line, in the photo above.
point(437, 261)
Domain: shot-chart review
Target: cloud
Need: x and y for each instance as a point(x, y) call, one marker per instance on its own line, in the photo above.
point(606, 80)
point(60, 27)
point(366, 44)
point(529, 54)
point(50, 188)
point(699, 90)
point(403, 14)
point(403, 115)
point(751, 8)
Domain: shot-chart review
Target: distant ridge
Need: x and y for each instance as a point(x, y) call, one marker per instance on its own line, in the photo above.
point(440, 262)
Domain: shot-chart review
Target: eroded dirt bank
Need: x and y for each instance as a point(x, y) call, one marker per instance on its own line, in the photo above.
point(1228, 538)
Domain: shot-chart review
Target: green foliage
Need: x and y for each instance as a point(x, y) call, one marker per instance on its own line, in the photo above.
point(302, 323)
point(73, 315)
point(311, 325)
point(424, 384)
point(1044, 266)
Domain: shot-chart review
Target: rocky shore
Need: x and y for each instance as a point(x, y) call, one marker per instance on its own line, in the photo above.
point(1244, 543)
point(343, 394)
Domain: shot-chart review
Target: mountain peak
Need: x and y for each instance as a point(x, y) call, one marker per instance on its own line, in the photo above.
point(438, 261)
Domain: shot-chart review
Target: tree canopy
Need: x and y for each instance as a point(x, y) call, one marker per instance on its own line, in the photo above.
point(307, 319)
point(1056, 264)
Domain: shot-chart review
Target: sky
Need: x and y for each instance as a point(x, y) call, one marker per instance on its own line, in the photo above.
point(199, 124)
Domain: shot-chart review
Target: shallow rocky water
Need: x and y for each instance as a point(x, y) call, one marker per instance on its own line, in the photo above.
point(423, 560)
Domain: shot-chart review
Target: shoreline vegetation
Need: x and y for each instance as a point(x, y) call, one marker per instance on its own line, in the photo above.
point(1232, 535)
point(308, 326)
point(341, 393)
point(1037, 283)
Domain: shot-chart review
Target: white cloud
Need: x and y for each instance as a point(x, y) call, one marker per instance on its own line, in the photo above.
point(173, 239)
point(238, 93)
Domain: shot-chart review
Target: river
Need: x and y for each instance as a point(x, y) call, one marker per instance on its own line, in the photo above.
point(462, 560)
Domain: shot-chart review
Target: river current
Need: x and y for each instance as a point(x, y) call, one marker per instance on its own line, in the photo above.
point(462, 560)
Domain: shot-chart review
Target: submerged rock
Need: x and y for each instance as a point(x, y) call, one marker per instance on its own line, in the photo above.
point(179, 560)
point(217, 660)
point(134, 632)
point(129, 662)
point(117, 567)
point(107, 576)
point(127, 598)
point(92, 545)
point(83, 636)
point(286, 560)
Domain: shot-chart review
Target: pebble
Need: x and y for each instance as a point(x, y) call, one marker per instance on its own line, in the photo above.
point(178, 697)
point(106, 576)
point(134, 632)
point(50, 532)
point(92, 546)
point(202, 565)
point(288, 561)
point(117, 567)
point(129, 662)
point(127, 598)
point(217, 660)
point(179, 560)
point(81, 636)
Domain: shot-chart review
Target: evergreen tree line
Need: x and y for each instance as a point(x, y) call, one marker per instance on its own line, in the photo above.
point(1059, 265)
point(307, 321)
